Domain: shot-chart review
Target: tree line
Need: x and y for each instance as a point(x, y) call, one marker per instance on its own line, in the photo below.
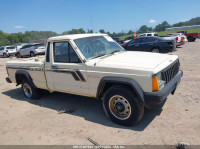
point(31, 36)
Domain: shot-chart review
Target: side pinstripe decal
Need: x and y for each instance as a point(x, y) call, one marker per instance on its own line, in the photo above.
point(76, 74)
point(80, 75)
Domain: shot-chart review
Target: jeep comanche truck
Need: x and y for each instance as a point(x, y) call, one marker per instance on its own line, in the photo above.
point(94, 65)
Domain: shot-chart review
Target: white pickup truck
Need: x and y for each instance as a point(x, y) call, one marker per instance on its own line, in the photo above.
point(94, 65)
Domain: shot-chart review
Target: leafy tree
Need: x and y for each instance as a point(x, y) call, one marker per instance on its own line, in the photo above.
point(101, 31)
point(90, 31)
point(162, 27)
point(193, 21)
point(143, 29)
point(3, 39)
point(130, 32)
point(150, 29)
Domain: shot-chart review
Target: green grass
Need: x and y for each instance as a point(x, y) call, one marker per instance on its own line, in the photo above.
point(167, 32)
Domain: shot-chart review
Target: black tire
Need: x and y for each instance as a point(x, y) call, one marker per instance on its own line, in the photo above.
point(32, 54)
point(191, 39)
point(5, 55)
point(18, 55)
point(136, 107)
point(29, 90)
point(156, 50)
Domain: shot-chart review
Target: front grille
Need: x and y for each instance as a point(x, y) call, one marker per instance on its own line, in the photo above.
point(169, 73)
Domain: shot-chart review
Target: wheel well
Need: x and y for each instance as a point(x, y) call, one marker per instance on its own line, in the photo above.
point(156, 48)
point(107, 85)
point(20, 78)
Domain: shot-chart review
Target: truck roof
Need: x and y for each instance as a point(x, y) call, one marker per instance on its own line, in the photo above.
point(74, 36)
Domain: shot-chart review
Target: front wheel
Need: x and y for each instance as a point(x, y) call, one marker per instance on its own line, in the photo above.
point(122, 106)
point(18, 55)
point(29, 90)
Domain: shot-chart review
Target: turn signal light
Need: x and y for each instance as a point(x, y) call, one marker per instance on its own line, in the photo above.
point(155, 84)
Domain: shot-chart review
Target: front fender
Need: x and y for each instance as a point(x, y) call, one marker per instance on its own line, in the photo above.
point(120, 80)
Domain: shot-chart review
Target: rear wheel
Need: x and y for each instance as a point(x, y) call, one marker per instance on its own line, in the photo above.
point(191, 39)
point(29, 90)
point(32, 54)
point(122, 106)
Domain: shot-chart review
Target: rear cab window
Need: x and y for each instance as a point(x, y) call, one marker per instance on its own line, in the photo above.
point(47, 52)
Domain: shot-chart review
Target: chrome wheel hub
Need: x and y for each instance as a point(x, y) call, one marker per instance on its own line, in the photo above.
point(27, 90)
point(155, 51)
point(120, 107)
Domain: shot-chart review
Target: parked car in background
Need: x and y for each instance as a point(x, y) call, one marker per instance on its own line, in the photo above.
point(7, 51)
point(119, 40)
point(177, 38)
point(191, 37)
point(182, 35)
point(151, 44)
point(31, 50)
point(126, 40)
point(181, 38)
point(149, 34)
point(20, 45)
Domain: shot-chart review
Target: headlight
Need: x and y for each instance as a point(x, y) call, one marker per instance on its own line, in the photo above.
point(160, 81)
point(157, 82)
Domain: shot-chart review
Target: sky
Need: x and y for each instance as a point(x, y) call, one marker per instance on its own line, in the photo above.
point(110, 15)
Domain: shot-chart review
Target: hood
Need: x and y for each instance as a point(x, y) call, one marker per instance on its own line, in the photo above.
point(133, 59)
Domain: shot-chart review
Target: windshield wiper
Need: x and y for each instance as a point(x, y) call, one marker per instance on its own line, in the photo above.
point(99, 55)
point(114, 51)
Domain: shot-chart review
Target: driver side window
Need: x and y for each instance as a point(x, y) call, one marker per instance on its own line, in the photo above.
point(64, 53)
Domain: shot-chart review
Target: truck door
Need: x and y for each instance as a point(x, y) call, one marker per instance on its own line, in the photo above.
point(66, 71)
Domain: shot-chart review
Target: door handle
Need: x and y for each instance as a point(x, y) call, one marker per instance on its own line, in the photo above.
point(54, 66)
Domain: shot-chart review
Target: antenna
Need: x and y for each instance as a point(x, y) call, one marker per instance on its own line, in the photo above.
point(92, 24)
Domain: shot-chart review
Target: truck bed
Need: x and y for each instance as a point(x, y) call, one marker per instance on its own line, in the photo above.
point(34, 66)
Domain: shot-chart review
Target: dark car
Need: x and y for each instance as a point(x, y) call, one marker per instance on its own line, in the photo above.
point(151, 44)
point(118, 40)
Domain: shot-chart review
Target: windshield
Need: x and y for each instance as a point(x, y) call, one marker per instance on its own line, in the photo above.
point(93, 47)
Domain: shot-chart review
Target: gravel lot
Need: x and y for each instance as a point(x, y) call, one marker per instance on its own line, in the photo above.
point(38, 122)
